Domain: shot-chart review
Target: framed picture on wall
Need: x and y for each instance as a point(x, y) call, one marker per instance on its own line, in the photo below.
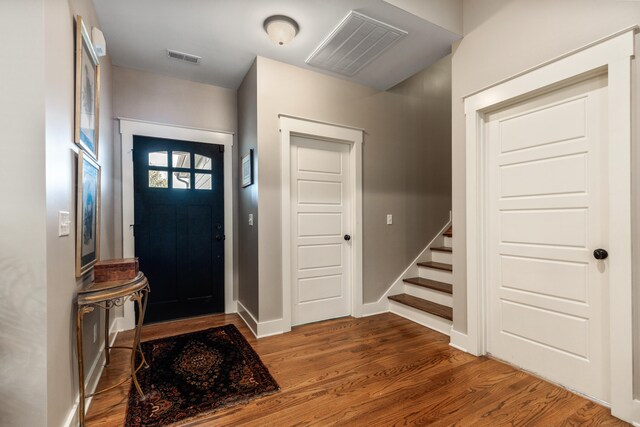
point(246, 167)
point(87, 92)
point(87, 214)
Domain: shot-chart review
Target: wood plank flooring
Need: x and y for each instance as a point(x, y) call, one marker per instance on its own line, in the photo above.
point(376, 371)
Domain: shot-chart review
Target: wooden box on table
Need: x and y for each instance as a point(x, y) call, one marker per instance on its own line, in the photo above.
point(116, 269)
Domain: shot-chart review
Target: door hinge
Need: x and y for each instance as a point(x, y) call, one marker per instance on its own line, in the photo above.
point(222, 148)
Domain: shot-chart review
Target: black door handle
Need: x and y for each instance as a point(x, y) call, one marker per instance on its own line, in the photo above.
point(600, 254)
point(219, 237)
point(347, 237)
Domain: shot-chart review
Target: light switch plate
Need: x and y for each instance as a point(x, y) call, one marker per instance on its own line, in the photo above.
point(63, 223)
point(251, 220)
point(389, 219)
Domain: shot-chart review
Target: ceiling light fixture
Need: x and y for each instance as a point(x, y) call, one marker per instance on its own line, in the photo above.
point(281, 29)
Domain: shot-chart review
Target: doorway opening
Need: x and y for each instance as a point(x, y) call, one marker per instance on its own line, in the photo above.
point(321, 221)
point(136, 128)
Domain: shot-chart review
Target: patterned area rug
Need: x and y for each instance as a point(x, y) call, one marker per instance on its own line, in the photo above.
point(195, 374)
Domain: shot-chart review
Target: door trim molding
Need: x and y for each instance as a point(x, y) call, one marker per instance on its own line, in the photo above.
point(303, 127)
point(130, 128)
point(612, 55)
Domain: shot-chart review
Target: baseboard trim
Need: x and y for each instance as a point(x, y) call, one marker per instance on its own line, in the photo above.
point(248, 318)
point(121, 324)
point(373, 308)
point(260, 329)
point(459, 341)
point(94, 374)
point(270, 328)
point(231, 306)
point(420, 317)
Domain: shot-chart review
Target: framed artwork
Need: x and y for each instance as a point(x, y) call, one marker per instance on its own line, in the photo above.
point(246, 166)
point(87, 92)
point(87, 214)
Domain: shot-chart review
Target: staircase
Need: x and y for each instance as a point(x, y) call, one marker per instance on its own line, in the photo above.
point(428, 298)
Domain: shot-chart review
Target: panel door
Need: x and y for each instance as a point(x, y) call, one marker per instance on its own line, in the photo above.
point(179, 226)
point(547, 180)
point(321, 215)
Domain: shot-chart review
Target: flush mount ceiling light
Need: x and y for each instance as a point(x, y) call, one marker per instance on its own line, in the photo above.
point(281, 29)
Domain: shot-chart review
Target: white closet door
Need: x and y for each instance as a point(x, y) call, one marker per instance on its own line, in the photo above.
point(548, 212)
point(321, 214)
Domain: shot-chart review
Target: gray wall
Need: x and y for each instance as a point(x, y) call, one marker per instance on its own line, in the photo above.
point(61, 155)
point(503, 38)
point(248, 196)
point(156, 98)
point(406, 168)
point(23, 391)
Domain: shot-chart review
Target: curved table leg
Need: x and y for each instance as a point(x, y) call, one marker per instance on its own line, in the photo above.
point(136, 343)
point(80, 312)
point(145, 296)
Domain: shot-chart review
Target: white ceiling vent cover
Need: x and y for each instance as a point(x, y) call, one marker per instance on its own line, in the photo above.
point(355, 42)
point(181, 56)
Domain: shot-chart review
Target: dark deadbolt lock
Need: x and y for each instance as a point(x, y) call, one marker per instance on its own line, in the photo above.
point(600, 254)
point(347, 237)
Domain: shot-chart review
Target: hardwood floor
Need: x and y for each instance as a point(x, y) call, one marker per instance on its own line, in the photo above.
point(375, 371)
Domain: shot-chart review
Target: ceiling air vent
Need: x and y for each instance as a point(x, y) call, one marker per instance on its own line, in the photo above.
point(181, 56)
point(355, 42)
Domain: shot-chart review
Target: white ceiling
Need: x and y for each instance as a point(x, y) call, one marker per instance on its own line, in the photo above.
point(228, 35)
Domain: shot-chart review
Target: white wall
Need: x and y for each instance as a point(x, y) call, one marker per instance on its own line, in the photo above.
point(505, 37)
point(61, 159)
point(23, 394)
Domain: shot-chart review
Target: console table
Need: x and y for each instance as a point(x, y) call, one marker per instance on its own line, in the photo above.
point(106, 295)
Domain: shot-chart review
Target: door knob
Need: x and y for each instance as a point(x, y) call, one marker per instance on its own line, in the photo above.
point(600, 254)
point(219, 237)
point(347, 237)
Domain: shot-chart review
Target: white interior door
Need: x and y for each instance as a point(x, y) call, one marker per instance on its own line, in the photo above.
point(321, 217)
point(548, 212)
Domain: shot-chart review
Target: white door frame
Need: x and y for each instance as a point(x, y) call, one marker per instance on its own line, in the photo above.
point(613, 56)
point(292, 126)
point(130, 128)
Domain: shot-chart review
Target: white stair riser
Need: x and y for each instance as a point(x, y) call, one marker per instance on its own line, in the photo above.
point(425, 319)
point(443, 257)
point(441, 298)
point(435, 274)
point(448, 241)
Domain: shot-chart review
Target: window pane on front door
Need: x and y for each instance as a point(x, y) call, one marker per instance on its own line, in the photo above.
point(203, 162)
point(181, 159)
point(158, 158)
point(158, 179)
point(203, 181)
point(181, 180)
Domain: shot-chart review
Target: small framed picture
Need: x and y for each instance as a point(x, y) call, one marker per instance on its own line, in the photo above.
point(246, 166)
point(87, 92)
point(87, 214)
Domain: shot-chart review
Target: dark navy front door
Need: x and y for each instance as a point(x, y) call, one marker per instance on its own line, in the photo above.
point(179, 226)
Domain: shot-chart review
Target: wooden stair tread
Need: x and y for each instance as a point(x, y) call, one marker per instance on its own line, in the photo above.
point(430, 284)
point(436, 265)
point(442, 249)
point(449, 232)
point(424, 305)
